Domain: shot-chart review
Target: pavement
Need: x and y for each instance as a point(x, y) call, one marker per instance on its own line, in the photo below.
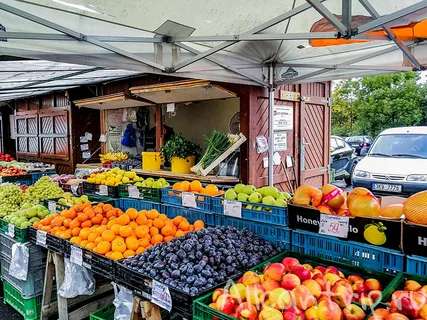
point(7, 312)
point(341, 184)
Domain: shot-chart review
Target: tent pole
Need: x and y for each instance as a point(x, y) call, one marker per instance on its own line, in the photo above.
point(270, 125)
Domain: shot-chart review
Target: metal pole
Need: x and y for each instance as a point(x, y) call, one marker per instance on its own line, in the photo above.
point(270, 126)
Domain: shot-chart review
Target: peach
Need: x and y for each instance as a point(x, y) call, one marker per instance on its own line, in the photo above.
point(255, 294)
point(314, 287)
point(375, 294)
point(250, 277)
point(217, 293)
point(365, 300)
point(238, 292)
point(423, 291)
point(396, 316)
point(289, 263)
point(322, 269)
point(270, 314)
point(270, 284)
point(290, 281)
point(342, 295)
point(293, 313)
point(279, 299)
point(213, 305)
point(372, 284)
point(423, 312)
point(343, 282)
point(274, 271)
point(301, 272)
point(329, 310)
point(314, 272)
point(412, 285)
point(225, 304)
point(246, 311)
point(321, 280)
point(399, 294)
point(353, 312)
point(303, 298)
point(381, 312)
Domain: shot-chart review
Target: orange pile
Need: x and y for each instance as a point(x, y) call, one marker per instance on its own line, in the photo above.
point(196, 187)
point(111, 232)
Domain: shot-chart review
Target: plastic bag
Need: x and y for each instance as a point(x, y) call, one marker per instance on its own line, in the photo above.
point(78, 281)
point(123, 301)
point(19, 264)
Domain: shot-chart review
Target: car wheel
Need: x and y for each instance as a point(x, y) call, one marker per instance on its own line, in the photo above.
point(348, 180)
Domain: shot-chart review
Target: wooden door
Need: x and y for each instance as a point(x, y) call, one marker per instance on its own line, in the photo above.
point(54, 135)
point(314, 137)
point(27, 143)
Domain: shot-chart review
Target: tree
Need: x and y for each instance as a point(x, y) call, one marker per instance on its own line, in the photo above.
point(366, 106)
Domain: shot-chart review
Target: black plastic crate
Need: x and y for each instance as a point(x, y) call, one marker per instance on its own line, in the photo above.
point(92, 198)
point(74, 190)
point(53, 243)
point(98, 263)
point(36, 253)
point(91, 188)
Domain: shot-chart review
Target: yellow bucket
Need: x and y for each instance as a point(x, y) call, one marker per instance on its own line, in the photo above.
point(180, 165)
point(151, 160)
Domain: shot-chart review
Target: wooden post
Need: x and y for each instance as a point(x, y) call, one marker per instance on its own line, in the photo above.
point(60, 273)
point(47, 287)
point(150, 311)
point(159, 127)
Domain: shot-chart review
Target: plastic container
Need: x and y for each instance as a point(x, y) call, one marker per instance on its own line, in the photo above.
point(37, 253)
point(98, 263)
point(94, 199)
point(180, 165)
point(416, 265)
point(28, 308)
point(94, 189)
point(256, 211)
point(18, 180)
point(35, 176)
point(126, 203)
point(105, 313)
point(349, 252)
point(279, 236)
point(174, 197)
point(53, 243)
point(145, 193)
point(151, 161)
point(190, 214)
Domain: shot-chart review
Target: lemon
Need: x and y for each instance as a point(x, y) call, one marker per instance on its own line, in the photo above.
point(125, 180)
point(98, 180)
point(374, 234)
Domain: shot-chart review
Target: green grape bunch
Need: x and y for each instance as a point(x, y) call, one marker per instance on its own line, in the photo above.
point(43, 189)
point(11, 197)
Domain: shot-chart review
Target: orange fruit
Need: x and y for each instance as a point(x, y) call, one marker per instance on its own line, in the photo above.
point(92, 237)
point(195, 186)
point(184, 225)
point(104, 221)
point(108, 254)
point(97, 219)
point(98, 240)
point(199, 224)
point(84, 233)
point(107, 207)
point(90, 246)
point(132, 243)
point(116, 229)
point(144, 242)
point(98, 210)
point(86, 224)
point(119, 212)
point(167, 230)
point(132, 213)
point(103, 247)
point(152, 214)
point(118, 245)
point(211, 190)
point(73, 239)
point(177, 220)
point(82, 217)
point(167, 238)
point(154, 231)
point(57, 222)
point(84, 243)
point(74, 224)
point(133, 225)
point(36, 224)
point(140, 250)
point(163, 217)
point(116, 255)
point(177, 186)
point(67, 222)
point(125, 231)
point(111, 223)
point(108, 235)
point(156, 239)
point(158, 223)
point(179, 233)
point(141, 219)
point(128, 253)
point(111, 213)
point(76, 231)
point(123, 220)
point(78, 208)
point(149, 223)
point(90, 213)
point(185, 186)
point(141, 231)
point(101, 229)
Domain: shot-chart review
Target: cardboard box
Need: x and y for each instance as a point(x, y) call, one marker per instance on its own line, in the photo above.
point(360, 229)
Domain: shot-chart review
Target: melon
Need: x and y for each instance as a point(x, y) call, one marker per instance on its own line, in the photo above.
point(364, 206)
point(415, 208)
point(393, 211)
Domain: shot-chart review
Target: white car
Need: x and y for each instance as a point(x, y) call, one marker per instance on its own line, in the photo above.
point(396, 163)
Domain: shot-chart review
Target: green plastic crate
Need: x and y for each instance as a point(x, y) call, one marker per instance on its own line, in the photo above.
point(21, 234)
point(105, 313)
point(28, 308)
point(145, 193)
point(399, 283)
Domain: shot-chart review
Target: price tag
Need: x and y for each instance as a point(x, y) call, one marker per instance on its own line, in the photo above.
point(332, 225)
point(189, 200)
point(233, 208)
point(11, 230)
point(103, 190)
point(74, 190)
point(41, 238)
point(161, 296)
point(51, 205)
point(133, 192)
point(76, 255)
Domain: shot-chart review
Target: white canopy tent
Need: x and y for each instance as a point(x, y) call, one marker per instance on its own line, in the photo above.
point(256, 42)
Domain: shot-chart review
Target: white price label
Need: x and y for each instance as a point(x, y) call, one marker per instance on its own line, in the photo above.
point(133, 192)
point(233, 208)
point(161, 295)
point(76, 255)
point(41, 238)
point(11, 230)
point(332, 225)
point(189, 200)
point(103, 190)
point(51, 205)
point(74, 190)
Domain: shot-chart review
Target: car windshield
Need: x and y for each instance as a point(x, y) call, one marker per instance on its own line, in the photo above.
point(400, 146)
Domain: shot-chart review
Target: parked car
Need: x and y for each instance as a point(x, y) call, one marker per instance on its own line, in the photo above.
point(343, 159)
point(359, 143)
point(396, 163)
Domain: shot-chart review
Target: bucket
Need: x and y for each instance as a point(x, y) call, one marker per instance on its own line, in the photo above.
point(180, 165)
point(151, 160)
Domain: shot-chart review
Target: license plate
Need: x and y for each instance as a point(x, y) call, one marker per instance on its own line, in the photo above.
point(386, 187)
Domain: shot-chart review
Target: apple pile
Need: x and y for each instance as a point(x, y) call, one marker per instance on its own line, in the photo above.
point(288, 290)
point(409, 303)
point(6, 157)
point(11, 171)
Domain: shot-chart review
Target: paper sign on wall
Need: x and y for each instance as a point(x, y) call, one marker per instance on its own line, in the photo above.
point(84, 147)
point(332, 225)
point(280, 141)
point(283, 118)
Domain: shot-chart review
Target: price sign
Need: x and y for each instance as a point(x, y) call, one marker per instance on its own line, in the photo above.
point(161, 296)
point(103, 190)
point(133, 192)
point(189, 200)
point(41, 238)
point(74, 190)
point(11, 230)
point(233, 208)
point(332, 225)
point(76, 255)
point(51, 205)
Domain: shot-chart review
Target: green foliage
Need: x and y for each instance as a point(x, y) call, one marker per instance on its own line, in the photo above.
point(178, 146)
point(367, 106)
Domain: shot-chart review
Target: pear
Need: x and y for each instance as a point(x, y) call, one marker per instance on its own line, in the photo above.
point(255, 197)
point(268, 200)
point(149, 183)
point(249, 190)
point(242, 197)
point(280, 203)
point(285, 195)
point(270, 191)
point(158, 184)
point(239, 188)
point(230, 194)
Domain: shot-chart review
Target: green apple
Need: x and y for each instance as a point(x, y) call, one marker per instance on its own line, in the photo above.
point(249, 190)
point(268, 200)
point(230, 194)
point(270, 191)
point(239, 187)
point(255, 197)
point(242, 197)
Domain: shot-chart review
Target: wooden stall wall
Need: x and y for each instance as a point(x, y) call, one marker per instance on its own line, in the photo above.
point(311, 123)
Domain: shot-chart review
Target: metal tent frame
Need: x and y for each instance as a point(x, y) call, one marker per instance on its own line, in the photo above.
point(344, 31)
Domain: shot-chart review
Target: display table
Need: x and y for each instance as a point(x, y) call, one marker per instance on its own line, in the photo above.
point(186, 176)
point(89, 165)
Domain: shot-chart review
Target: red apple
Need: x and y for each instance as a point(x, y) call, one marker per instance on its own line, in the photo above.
point(246, 311)
point(255, 294)
point(321, 280)
point(312, 313)
point(332, 278)
point(270, 284)
point(320, 268)
point(314, 287)
point(238, 292)
point(358, 288)
point(293, 313)
point(329, 310)
point(375, 294)
point(352, 279)
point(301, 272)
point(342, 295)
point(270, 314)
point(353, 312)
point(303, 298)
point(333, 270)
point(381, 312)
point(289, 263)
point(412, 285)
point(279, 299)
point(423, 291)
point(308, 266)
point(372, 284)
point(217, 293)
point(250, 277)
point(225, 304)
point(274, 271)
point(290, 281)
point(396, 316)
